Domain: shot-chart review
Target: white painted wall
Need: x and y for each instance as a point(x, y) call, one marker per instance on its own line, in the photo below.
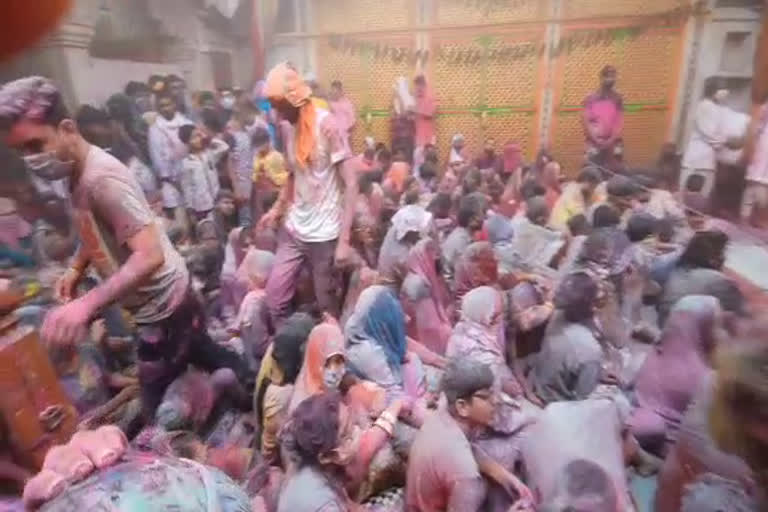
point(103, 77)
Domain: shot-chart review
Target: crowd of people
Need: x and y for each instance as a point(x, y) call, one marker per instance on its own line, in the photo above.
point(248, 316)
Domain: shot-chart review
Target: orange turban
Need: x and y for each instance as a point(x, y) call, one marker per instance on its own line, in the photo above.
point(284, 83)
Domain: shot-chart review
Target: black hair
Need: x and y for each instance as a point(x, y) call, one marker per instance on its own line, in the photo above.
point(605, 216)
point(212, 120)
point(621, 186)
point(428, 170)
point(315, 426)
point(640, 226)
point(173, 78)
point(88, 115)
point(260, 137)
point(665, 229)
point(185, 133)
point(336, 83)
point(464, 377)
point(536, 208)
point(532, 188)
point(694, 183)
point(711, 85)
point(165, 95)
point(420, 79)
point(206, 96)
point(576, 297)
point(608, 68)
point(470, 206)
point(365, 182)
point(472, 181)
point(442, 202)
point(589, 175)
point(134, 88)
point(578, 225)
point(705, 250)
point(584, 478)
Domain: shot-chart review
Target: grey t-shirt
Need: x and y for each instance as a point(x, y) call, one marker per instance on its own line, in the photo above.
point(109, 209)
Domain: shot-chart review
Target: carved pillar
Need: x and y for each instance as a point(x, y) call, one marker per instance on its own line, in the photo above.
point(64, 55)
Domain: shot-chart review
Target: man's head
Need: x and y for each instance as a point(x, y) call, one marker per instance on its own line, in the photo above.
point(537, 211)
point(608, 78)
point(467, 385)
point(588, 179)
point(227, 98)
point(419, 86)
point(157, 84)
point(716, 89)
point(260, 140)
point(705, 250)
point(36, 123)
point(141, 95)
point(472, 210)
point(207, 100)
point(166, 105)
point(641, 226)
point(578, 225)
point(490, 146)
point(583, 486)
point(605, 216)
point(337, 90)
point(247, 112)
point(287, 91)
point(458, 142)
point(577, 297)
point(225, 203)
point(192, 137)
point(621, 192)
point(176, 85)
point(96, 126)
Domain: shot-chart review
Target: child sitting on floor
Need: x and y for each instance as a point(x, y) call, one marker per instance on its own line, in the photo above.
point(252, 326)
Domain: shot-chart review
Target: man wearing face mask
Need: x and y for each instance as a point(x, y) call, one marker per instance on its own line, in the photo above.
point(120, 238)
point(707, 136)
point(227, 102)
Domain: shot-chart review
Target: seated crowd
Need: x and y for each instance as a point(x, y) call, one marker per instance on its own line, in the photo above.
point(329, 332)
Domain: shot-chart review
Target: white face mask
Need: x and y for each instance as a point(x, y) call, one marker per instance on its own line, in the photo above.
point(332, 378)
point(227, 103)
point(48, 166)
point(721, 95)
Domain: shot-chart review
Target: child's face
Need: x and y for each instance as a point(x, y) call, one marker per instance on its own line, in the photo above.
point(226, 206)
point(197, 140)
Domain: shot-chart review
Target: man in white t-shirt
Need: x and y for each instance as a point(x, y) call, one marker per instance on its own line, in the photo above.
point(316, 206)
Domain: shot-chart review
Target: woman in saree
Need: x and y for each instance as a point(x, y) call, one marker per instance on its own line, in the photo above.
point(380, 351)
point(570, 364)
point(674, 371)
point(325, 365)
point(332, 452)
point(476, 267)
point(409, 225)
point(479, 336)
point(426, 298)
point(274, 385)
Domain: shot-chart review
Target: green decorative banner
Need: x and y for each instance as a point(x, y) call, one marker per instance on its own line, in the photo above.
point(484, 50)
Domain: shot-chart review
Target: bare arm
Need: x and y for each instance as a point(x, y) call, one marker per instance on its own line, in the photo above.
point(426, 355)
point(146, 257)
